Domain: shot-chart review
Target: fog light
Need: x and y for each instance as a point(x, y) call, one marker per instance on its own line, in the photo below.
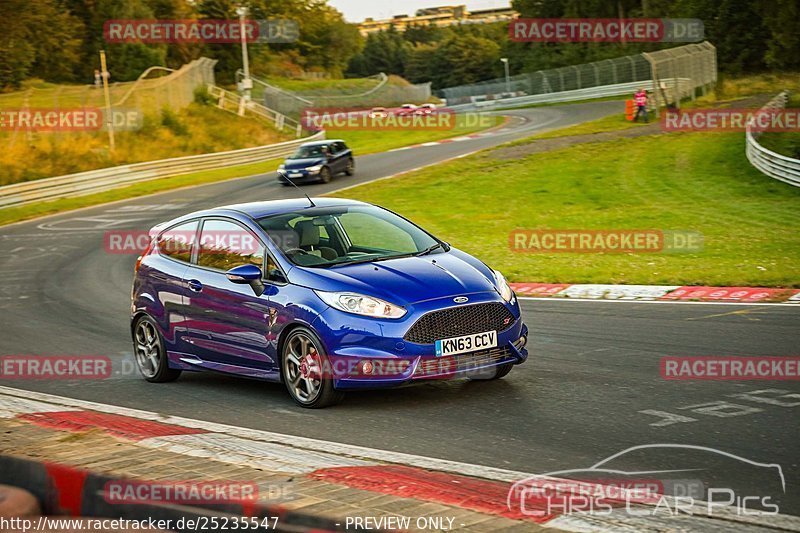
point(521, 342)
point(367, 367)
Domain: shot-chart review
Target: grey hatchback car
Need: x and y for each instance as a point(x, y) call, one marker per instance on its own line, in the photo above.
point(317, 161)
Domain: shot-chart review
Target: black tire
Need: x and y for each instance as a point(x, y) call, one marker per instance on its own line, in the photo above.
point(351, 167)
point(303, 347)
point(150, 354)
point(325, 175)
point(500, 372)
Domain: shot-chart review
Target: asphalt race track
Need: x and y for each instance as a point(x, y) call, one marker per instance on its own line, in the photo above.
point(591, 388)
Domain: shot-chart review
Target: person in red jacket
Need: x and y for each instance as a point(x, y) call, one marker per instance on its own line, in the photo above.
point(640, 100)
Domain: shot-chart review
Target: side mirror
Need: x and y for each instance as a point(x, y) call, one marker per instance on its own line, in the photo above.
point(247, 275)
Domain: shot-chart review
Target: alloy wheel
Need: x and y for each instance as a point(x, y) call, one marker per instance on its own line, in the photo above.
point(148, 349)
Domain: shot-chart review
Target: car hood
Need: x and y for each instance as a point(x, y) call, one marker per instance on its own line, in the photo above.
point(405, 280)
point(292, 164)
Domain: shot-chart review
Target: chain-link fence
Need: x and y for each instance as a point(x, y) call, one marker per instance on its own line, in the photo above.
point(150, 93)
point(678, 73)
point(386, 92)
point(675, 73)
point(175, 90)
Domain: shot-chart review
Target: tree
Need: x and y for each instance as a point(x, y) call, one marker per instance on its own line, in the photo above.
point(384, 51)
point(465, 59)
point(26, 50)
point(782, 18)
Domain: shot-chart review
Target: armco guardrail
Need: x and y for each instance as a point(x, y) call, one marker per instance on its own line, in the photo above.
point(772, 164)
point(110, 178)
point(620, 89)
point(563, 96)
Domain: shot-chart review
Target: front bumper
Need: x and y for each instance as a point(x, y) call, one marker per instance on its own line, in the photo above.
point(295, 175)
point(351, 341)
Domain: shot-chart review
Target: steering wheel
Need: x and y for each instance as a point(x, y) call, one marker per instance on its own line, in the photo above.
point(292, 251)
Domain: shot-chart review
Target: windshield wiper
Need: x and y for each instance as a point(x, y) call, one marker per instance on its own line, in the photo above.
point(369, 260)
point(429, 249)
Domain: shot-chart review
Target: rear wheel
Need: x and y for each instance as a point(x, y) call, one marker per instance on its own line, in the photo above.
point(306, 371)
point(150, 354)
point(351, 167)
point(325, 175)
point(491, 374)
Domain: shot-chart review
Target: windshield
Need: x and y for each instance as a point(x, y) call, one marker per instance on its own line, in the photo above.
point(307, 152)
point(334, 236)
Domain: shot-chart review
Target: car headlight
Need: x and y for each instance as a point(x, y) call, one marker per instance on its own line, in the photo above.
point(314, 169)
point(359, 304)
point(502, 287)
point(281, 167)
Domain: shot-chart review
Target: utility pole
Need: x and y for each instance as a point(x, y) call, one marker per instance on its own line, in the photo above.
point(508, 76)
point(109, 118)
point(247, 83)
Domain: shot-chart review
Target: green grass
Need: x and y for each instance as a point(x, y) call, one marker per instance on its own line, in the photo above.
point(601, 125)
point(619, 98)
point(332, 86)
point(370, 141)
point(699, 182)
point(17, 214)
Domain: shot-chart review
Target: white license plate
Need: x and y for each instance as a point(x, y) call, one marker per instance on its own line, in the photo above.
point(467, 343)
point(295, 174)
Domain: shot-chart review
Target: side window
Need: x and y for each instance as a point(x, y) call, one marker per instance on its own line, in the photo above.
point(273, 271)
point(226, 245)
point(177, 242)
point(339, 147)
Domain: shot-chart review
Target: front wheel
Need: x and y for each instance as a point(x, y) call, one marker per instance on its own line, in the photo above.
point(325, 175)
point(306, 371)
point(150, 354)
point(351, 168)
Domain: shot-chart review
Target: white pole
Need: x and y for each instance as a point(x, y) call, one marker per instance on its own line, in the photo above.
point(109, 118)
point(508, 76)
point(246, 83)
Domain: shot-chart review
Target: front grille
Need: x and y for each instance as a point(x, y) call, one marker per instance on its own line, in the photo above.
point(458, 321)
point(450, 364)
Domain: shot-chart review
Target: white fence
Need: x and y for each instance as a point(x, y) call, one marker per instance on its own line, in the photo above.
point(111, 178)
point(772, 164)
point(234, 103)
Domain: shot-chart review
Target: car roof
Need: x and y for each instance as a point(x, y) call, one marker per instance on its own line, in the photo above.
point(319, 143)
point(277, 207)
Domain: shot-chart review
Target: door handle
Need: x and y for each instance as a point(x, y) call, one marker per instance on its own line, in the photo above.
point(195, 286)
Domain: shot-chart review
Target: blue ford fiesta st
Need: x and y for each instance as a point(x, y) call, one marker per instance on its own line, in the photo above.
point(326, 295)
